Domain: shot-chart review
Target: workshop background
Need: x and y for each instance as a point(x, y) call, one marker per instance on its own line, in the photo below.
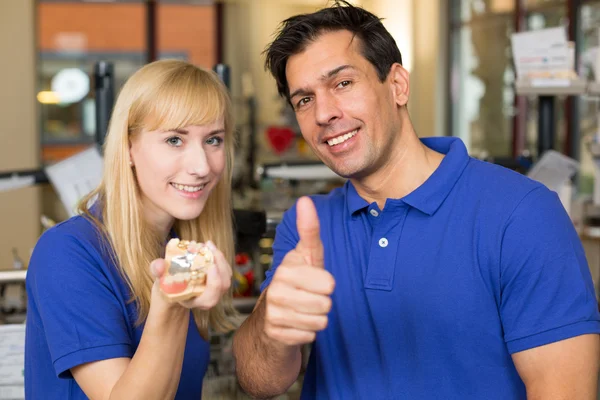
point(63, 60)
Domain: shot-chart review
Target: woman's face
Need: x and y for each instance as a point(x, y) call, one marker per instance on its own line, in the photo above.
point(176, 170)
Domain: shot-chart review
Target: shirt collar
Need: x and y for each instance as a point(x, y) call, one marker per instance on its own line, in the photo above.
point(431, 194)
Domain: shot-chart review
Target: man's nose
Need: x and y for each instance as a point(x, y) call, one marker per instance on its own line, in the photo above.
point(326, 110)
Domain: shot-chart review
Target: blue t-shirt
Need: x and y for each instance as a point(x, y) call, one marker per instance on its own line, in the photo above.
point(436, 291)
point(79, 311)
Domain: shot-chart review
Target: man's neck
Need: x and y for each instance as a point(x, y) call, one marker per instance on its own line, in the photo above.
point(410, 164)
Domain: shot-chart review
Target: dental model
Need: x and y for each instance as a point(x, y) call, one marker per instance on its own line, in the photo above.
point(187, 265)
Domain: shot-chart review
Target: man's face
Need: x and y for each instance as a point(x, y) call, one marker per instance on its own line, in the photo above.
point(346, 114)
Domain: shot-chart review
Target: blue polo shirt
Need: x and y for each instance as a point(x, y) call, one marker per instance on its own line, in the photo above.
point(79, 311)
point(437, 290)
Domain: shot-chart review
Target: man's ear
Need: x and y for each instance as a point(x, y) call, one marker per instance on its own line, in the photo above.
point(399, 80)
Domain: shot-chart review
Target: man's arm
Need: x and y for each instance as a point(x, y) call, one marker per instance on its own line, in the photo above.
point(264, 367)
point(563, 370)
point(267, 347)
point(547, 301)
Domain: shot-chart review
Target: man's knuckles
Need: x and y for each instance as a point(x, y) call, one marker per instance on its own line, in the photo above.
point(290, 337)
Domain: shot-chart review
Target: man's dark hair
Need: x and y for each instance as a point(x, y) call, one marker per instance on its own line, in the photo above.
point(296, 33)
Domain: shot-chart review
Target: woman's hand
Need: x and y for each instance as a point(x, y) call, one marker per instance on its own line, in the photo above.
point(218, 281)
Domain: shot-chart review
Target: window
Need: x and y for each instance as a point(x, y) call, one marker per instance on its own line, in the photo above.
point(482, 76)
point(589, 106)
point(73, 35)
point(541, 14)
point(484, 108)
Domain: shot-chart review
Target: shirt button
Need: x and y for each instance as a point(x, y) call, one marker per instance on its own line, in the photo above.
point(374, 212)
point(383, 242)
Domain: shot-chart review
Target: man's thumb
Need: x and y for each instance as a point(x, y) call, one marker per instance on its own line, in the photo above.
point(307, 223)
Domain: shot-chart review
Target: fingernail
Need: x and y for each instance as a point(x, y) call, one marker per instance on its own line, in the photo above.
point(212, 271)
point(211, 245)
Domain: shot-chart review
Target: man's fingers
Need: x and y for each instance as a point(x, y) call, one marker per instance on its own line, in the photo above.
point(306, 278)
point(283, 317)
point(307, 223)
point(299, 300)
point(290, 336)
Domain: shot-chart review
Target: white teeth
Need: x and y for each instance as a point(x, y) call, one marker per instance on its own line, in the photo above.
point(177, 278)
point(187, 188)
point(341, 139)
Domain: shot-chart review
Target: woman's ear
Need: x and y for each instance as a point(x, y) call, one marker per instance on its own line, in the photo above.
point(399, 80)
point(131, 163)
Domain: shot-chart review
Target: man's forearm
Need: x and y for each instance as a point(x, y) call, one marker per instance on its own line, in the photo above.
point(264, 367)
point(155, 369)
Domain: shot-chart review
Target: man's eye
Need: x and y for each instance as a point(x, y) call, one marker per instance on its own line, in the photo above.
point(174, 141)
point(344, 83)
point(303, 101)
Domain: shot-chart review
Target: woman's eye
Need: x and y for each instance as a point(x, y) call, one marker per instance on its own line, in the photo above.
point(214, 141)
point(175, 141)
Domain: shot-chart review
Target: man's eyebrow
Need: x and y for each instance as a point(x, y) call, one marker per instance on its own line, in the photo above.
point(324, 77)
point(300, 92)
point(336, 71)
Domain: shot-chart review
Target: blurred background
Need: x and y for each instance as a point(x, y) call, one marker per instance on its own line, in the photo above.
point(62, 61)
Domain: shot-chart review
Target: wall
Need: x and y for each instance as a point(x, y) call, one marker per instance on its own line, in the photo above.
point(74, 28)
point(428, 89)
point(19, 209)
point(420, 30)
point(424, 49)
point(248, 28)
point(122, 27)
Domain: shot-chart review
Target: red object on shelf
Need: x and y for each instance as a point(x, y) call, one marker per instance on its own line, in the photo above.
point(241, 258)
point(280, 138)
point(243, 276)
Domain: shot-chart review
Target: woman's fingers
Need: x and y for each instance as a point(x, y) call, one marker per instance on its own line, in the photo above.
point(218, 280)
point(212, 293)
point(157, 267)
point(222, 265)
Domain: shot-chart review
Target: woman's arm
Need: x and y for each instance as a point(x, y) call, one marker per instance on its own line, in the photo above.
point(154, 370)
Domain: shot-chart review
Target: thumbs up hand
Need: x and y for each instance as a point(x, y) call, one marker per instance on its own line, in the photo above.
point(298, 298)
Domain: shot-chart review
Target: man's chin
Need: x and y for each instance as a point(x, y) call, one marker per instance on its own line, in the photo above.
point(345, 171)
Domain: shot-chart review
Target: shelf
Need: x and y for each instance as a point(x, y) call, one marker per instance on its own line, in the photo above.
point(551, 87)
point(594, 88)
point(594, 149)
point(305, 172)
point(12, 276)
point(244, 305)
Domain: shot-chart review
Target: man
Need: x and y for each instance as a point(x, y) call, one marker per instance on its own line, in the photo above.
point(429, 275)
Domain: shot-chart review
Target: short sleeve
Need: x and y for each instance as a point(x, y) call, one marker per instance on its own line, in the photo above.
point(286, 239)
point(547, 292)
point(78, 310)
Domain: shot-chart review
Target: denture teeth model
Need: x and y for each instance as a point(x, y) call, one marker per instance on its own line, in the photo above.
point(187, 264)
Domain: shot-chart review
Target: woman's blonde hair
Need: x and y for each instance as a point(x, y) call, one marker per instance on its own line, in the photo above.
point(166, 95)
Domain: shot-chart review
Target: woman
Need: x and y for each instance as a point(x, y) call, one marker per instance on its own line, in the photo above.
point(98, 325)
